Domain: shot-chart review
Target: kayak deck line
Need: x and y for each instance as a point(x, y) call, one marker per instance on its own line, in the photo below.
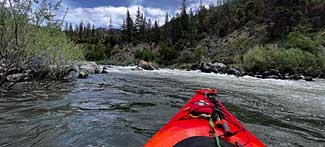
point(204, 121)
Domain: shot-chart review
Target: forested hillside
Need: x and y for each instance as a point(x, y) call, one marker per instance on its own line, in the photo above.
point(257, 35)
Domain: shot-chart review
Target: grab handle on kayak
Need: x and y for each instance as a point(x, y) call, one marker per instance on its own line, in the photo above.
point(226, 129)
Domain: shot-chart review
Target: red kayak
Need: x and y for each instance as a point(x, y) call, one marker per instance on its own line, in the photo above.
point(204, 122)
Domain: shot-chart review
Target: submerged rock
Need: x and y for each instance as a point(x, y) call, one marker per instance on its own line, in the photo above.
point(137, 69)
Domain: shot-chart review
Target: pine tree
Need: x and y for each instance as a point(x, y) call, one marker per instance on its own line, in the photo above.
point(70, 29)
point(81, 27)
point(149, 30)
point(165, 29)
point(129, 26)
point(156, 32)
point(142, 27)
point(110, 25)
point(192, 27)
point(138, 20)
point(202, 15)
point(93, 30)
point(166, 19)
point(184, 18)
point(88, 30)
point(66, 27)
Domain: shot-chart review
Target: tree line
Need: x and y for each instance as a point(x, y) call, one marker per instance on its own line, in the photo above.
point(187, 28)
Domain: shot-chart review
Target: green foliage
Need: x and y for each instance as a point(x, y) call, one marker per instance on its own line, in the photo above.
point(22, 34)
point(321, 59)
point(53, 46)
point(200, 53)
point(96, 52)
point(167, 55)
point(257, 59)
point(298, 40)
point(293, 60)
point(145, 55)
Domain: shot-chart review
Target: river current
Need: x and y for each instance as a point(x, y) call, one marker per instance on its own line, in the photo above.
point(126, 107)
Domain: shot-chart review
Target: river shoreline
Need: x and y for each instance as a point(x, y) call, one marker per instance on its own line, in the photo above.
point(85, 68)
point(220, 68)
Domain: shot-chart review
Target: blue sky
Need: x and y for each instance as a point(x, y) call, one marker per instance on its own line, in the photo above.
point(98, 12)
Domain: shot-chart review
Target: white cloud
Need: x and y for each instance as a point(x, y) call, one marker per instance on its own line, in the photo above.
point(99, 16)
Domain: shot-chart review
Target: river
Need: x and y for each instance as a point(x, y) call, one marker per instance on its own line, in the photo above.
point(126, 107)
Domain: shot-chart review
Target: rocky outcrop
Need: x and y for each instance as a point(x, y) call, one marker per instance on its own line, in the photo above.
point(84, 69)
point(146, 65)
point(218, 68)
point(90, 67)
point(64, 72)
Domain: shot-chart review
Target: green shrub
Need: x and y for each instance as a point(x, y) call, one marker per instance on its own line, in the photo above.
point(321, 60)
point(200, 53)
point(186, 57)
point(53, 46)
point(167, 55)
point(257, 59)
point(292, 60)
point(298, 40)
point(96, 52)
point(145, 55)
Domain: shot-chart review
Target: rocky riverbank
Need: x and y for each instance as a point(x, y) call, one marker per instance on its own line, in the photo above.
point(237, 71)
point(34, 72)
point(220, 68)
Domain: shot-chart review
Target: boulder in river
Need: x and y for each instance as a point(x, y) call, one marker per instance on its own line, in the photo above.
point(146, 65)
point(72, 73)
point(217, 67)
point(204, 67)
point(235, 70)
point(90, 67)
point(82, 75)
point(308, 78)
point(194, 67)
point(105, 70)
point(295, 77)
point(273, 74)
point(16, 77)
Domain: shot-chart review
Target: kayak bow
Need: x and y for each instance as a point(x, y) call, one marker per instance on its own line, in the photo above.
point(204, 121)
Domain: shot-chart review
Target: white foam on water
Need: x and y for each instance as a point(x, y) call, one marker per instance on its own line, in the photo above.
point(300, 93)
